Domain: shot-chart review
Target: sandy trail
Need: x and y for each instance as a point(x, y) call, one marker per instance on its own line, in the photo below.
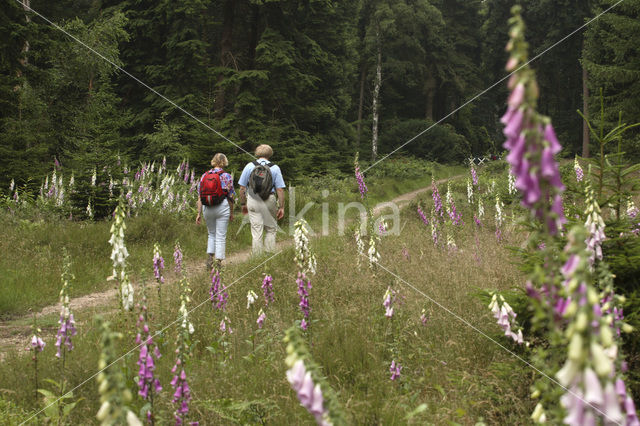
point(15, 333)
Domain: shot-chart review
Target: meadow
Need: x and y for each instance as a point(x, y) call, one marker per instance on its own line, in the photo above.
point(450, 372)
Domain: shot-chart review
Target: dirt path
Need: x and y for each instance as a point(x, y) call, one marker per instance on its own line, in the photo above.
point(15, 333)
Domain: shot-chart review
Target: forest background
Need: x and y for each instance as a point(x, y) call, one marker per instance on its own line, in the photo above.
point(299, 75)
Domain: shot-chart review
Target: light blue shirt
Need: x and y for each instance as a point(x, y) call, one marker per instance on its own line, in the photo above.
point(276, 174)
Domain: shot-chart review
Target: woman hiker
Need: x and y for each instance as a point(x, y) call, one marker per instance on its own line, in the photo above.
point(215, 201)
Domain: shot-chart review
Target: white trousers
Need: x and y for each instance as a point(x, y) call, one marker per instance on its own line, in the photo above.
point(262, 216)
point(217, 219)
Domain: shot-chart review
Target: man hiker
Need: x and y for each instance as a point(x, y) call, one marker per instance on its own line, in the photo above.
point(259, 182)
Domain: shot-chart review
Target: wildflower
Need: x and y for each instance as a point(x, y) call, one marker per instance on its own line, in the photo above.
point(72, 181)
point(360, 178)
point(93, 177)
point(578, 170)
point(437, 201)
point(112, 387)
point(251, 298)
point(423, 216)
point(119, 256)
point(469, 191)
point(423, 317)
point(177, 258)
point(158, 263)
point(531, 141)
point(37, 344)
point(451, 243)
point(267, 289)
point(304, 285)
point(225, 326)
point(511, 183)
point(474, 175)
point(632, 210)
point(506, 317)
point(182, 392)
point(148, 384)
point(12, 185)
point(218, 292)
point(499, 218)
point(480, 209)
point(312, 390)
point(261, 317)
point(434, 228)
point(395, 369)
point(595, 226)
point(359, 244)
point(374, 255)
point(67, 323)
point(388, 301)
point(304, 258)
point(310, 395)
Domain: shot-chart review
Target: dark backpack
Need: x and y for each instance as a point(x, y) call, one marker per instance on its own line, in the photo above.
point(211, 191)
point(260, 180)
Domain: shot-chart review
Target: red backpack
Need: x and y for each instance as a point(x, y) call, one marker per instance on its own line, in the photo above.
point(211, 191)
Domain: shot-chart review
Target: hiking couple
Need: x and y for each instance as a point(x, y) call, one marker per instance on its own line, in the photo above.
point(259, 183)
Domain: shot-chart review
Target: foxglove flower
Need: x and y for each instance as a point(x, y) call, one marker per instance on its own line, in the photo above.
point(304, 285)
point(177, 258)
point(251, 298)
point(360, 178)
point(93, 177)
point(395, 369)
point(261, 317)
point(437, 201)
point(312, 390)
point(469, 191)
point(474, 175)
point(423, 317)
point(12, 185)
point(182, 392)
point(511, 184)
point(112, 387)
point(506, 318)
point(119, 256)
point(67, 323)
point(304, 258)
point(531, 140)
point(37, 344)
point(158, 264)
point(423, 216)
point(374, 255)
point(595, 226)
point(388, 301)
point(218, 292)
point(578, 170)
point(267, 289)
point(148, 384)
point(360, 244)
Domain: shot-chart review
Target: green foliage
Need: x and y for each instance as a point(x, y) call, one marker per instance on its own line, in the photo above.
point(440, 144)
point(240, 412)
point(57, 407)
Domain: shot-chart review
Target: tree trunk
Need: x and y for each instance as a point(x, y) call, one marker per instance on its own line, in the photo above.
point(585, 111)
point(226, 44)
point(374, 106)
point(363, 75)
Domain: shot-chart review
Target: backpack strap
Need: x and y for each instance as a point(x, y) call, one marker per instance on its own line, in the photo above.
point(269, 164)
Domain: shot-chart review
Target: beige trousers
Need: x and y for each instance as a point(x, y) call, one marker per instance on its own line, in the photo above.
point(262, 216)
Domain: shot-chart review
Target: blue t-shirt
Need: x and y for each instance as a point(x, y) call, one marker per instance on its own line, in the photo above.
point(276, 174)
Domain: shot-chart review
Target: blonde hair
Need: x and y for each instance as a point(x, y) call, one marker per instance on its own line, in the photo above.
point(219, 160)
point(264, 151)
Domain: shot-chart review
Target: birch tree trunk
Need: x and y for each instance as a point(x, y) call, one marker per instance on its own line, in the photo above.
point(376, 95)
point(585, 111)
point(363, 75)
